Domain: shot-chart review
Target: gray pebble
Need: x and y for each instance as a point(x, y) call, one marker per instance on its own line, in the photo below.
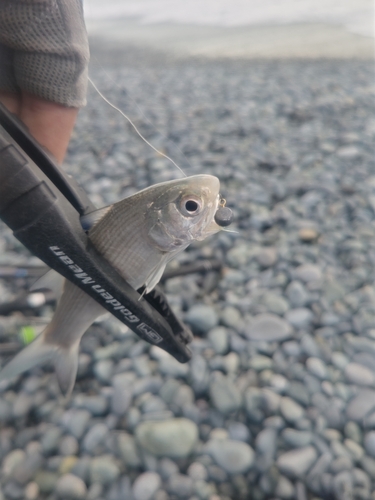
point(167, 468)
point(231, 317)
point(68, 446)
point(104, 470)
point(284, 488)
point(353, 431)
point(94, 437)
point(307, 273)
point(50, 439)
point(234, 457)
point(70, 486)
point(170, 366)
point(297, 439)
point(291, 348)
point(239, 431)
point(296, 463)
point(197, 471)
point(254, 404)
point(259, 363)
point(268, 327)
point(359, 374)
point(103, 370)
point(300, 318)
point(75, 421)
point(96, 405)
point(146, 485)
point(290, 410)
point(340, 464)
point(361, 405)
point(127, 449)
point(342, 486)
point(224, 394)
point(265, 444)
point(201, 318)
point(121, 400)
point(275, 303)
point(46, 481)
point(180, 485)
point(218, 338)
point(317, 367)
point(297, 294)
point(12, 460)
point(199, 374)
point(22, 405)
point(172, 438)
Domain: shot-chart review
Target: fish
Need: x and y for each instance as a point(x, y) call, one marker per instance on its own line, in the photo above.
point(138, 236)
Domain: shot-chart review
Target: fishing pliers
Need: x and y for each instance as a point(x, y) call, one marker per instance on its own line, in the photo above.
point(43, 205)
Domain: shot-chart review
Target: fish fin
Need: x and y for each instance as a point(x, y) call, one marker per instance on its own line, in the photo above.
point(66, 366)
point(157, 272)
point(50, 280)
point(37, 353)
point(154, 277)
point(65, 361)
point(89, 220)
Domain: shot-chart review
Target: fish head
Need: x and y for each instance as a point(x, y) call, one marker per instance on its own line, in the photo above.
point(183, 211)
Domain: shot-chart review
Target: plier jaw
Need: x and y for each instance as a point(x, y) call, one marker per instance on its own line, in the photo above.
point(42, 205)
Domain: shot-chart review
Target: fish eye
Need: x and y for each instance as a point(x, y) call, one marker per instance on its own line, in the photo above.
point(190, 205)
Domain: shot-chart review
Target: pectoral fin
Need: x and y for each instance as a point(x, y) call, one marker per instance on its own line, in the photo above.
point(89, 220)
point(51, 280)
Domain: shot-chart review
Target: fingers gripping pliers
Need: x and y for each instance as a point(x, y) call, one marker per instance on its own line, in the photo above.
point(43, 205)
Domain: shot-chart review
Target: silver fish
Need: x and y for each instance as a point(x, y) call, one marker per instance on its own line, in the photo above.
point(138, 236)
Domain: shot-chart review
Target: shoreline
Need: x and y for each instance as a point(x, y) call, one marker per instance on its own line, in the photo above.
point(295, 41)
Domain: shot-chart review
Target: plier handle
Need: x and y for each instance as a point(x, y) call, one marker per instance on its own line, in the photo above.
point(43, 205)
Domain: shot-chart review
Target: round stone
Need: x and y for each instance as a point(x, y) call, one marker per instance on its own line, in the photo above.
point(218, 338)
point(197, 471)
point(359, 374)
point(173, 438)
point(316, 367)
point(296, 463)
point(104, 470)
point(70, 486)
point(308, 272)
point(297, 294)
point(94, 437)
point(235, 457)
point(267, 257)
point(308, 234)
point(268, 327)
point(202, 318)
point(146, 485)
point(290, 410)
point(300, 318)
point(224, 394)
point(68, 446)
point(13, 460)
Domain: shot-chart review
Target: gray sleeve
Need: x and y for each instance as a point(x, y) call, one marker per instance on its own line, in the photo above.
point(44, 49)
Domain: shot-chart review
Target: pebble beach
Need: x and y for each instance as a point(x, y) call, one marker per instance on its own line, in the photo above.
point(278, 401)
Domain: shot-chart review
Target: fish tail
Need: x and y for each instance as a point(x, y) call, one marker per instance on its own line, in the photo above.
point(39, 352)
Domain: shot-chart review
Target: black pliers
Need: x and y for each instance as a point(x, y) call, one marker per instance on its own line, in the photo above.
point(43, 206)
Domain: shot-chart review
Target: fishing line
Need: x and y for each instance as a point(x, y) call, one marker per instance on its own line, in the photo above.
point(135, 128)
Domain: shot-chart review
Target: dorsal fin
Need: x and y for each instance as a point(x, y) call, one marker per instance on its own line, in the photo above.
point(89, 220)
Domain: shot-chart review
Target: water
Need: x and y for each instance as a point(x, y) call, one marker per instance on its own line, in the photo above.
point(356, 16)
